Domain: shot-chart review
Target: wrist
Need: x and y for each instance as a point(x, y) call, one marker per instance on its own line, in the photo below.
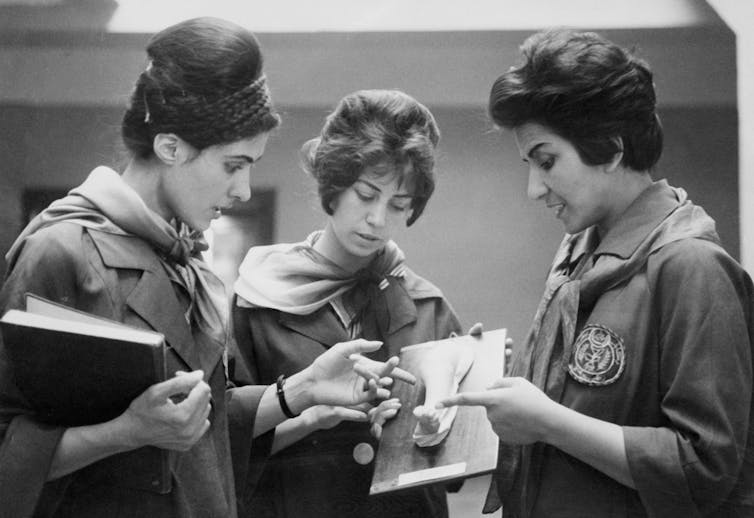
point(298, 392)
point(124, 431)
point(552, 425)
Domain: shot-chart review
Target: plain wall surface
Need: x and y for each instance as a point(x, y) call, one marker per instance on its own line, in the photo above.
point(480, 239)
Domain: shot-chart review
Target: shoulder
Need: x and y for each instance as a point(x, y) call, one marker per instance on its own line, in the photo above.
point(691, 256)
point(60, 243)
point(420, 288)
point(700, 268)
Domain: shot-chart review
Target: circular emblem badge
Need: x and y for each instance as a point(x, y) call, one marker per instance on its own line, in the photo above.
point(598, 356)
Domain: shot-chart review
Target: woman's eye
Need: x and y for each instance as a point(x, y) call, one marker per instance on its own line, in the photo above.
point(232, 168)
point(547, 164)
point(400, 207)
point(363, 196)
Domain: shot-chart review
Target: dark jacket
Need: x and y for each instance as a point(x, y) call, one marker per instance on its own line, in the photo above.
point(318, 475)
point(121, 278)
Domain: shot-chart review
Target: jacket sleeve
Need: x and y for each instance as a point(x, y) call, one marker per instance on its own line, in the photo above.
point(446, 320)
point(49, 265)
point(703, 309)
point(248, 454)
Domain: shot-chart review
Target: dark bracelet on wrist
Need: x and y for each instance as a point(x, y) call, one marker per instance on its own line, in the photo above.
point(281, 398)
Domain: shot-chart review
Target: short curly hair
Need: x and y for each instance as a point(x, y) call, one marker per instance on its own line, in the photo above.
point(385, 129)
point(588, 90)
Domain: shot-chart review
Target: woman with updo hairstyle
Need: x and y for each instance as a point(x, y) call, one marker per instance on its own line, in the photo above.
point(127, 247)
point(632, 394)
point(373, 164)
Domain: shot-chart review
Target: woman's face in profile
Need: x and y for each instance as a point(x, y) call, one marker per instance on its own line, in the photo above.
point(367, 213)
point(198, 189)
point(580, 195)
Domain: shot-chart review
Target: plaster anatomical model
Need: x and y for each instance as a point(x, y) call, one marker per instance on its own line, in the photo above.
point(441, 372)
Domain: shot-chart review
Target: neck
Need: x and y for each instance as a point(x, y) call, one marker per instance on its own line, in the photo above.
point(630, 186)
point(144, 178)
point(329, 246)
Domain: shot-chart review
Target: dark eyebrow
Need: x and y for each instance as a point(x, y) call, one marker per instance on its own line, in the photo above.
point(369, 184)
point(245, 158)
point(533, 150)
point(376, 188)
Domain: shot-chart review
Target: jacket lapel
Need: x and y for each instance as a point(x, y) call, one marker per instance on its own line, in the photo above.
point(322, 326)
point(153, 298)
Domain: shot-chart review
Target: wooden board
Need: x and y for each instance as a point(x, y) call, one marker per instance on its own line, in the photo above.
point(470, 448)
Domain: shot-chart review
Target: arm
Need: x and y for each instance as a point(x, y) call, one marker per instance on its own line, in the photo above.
point(520, 413)
point(320, 417)
point(703, 300)
point(691, 464)
point(152, 419)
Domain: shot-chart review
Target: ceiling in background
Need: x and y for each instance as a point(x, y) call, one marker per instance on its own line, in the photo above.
point(148, 16)
point(88, 52)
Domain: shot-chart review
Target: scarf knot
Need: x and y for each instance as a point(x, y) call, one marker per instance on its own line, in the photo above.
point(105, 202)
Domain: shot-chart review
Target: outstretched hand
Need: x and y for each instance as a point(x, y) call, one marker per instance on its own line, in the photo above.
point(342, 376)
point(517, 410)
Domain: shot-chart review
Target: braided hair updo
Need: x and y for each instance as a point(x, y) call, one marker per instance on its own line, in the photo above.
point(387, 130)
point(203, 83)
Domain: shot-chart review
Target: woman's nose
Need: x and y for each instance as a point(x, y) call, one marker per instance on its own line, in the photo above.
point(536, 187)
point(376, 215)
point(241, 188)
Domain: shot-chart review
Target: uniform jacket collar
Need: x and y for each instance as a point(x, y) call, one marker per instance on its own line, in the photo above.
point(324, 326)
point(646, 212)
point(154, 299)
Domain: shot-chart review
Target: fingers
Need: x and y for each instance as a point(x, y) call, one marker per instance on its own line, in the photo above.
point(476, 329)
point(349, 414)
point(363, 369)
point(381, 413)
point(371, 369)
point(182, 383)
point(374, 391)
point(466, 399)
point(357, 347)
point(403, 375)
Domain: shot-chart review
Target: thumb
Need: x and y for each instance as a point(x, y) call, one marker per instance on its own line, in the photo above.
point(357, 346)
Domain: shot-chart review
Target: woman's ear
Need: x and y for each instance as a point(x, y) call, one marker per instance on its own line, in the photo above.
point(167, 147)
point(617, 157)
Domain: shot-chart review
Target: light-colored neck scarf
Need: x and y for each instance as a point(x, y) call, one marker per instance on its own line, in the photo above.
point(105, 202)
point(296, 279)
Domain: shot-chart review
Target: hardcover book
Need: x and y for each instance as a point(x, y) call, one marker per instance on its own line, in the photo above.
point(75, 368)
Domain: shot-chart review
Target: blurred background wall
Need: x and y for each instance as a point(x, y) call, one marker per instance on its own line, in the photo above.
point(66, 69)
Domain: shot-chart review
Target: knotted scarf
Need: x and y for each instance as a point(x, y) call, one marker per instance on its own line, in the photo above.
point(105, 202)
point(296, 279)
point(546, 352)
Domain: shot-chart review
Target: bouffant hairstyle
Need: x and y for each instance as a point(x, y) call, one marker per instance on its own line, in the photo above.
point(387, 130)
point(203, 83)
point(588, 90)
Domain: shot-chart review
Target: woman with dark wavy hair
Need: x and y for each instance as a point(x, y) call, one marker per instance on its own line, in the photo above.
point(126, 246)
point(632, 395)
point(373, 163)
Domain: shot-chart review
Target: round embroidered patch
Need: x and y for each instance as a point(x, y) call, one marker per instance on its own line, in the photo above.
point(598, 356)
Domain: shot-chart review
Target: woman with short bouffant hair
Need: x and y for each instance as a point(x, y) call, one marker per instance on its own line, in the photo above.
point(373, 164)
point(632, 394)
